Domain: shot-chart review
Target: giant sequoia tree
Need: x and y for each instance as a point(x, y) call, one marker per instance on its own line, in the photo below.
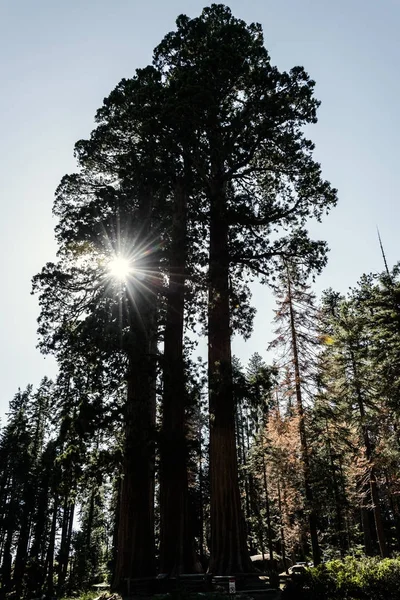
point(129, 200)
point(257, 173)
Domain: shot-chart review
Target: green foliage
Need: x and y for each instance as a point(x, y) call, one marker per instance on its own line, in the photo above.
point(350, 579)
point(88, 595)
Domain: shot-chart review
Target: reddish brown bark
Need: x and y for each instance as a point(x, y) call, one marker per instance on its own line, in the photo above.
point(229, 553)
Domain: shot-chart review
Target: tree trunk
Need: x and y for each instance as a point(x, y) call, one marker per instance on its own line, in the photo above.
point(114, 549)
point(6, 564)
point(312, 516)
point(229, 552)
point(37, 549)
point(340, 534)
point(89, 524)
point(372, 475)
point(395, 509)
point(241, 454)
point(366, 527)
point(241, 457)
point(23, 540)
point(4, 492)
point(68, 517)
point(177, 552)
point(63, 542)
point(253, 509)
point(40, 526)
point(136, 550)
point(136, 545)
point(267, 509)
point(68, 548)
point(282, 531)
point(201, 487)
point(50, 551)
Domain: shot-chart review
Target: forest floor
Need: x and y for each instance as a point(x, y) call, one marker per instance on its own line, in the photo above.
point(259, 595)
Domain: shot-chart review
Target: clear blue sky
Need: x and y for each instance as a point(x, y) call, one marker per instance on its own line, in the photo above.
point(60, 58)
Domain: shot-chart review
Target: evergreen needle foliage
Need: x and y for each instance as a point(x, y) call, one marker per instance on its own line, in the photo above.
point(140, 460)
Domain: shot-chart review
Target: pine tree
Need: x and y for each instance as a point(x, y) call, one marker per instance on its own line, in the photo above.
point(297, 339)
point(351, 350)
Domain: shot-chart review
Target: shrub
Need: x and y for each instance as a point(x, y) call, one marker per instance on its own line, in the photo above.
point(350, 579)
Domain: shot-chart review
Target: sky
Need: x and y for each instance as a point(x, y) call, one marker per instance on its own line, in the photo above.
point(59, 59)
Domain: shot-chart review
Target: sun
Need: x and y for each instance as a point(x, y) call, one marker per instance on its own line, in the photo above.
point(120, 267)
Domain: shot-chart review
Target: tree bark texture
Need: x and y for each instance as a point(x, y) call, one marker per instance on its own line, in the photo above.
point(177, 553)
point(229, 553)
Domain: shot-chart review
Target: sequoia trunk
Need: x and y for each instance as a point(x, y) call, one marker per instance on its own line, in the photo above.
point(177, 554)
point(229, 552)
point(136, 546)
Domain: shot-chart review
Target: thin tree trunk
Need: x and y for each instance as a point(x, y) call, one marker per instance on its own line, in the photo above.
point(3, 504)
point(312, 517)
point(282, 531)
point(89, 525)
point(338, 508)
point(63, 543)
point(114, 551)
point(6, 564)
point(267, 510)
point(68, 545)
point(243, 464)
point(37, 549)
point(23, 540)
point(372, 474)
point(65, 546)
point(380, 532)
point(395, 510)
point(50, 551)
point(366, 528)
point(229, 553)
point(249, 484)
point(201, 486)
point(40, 525)
point(241, 457)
